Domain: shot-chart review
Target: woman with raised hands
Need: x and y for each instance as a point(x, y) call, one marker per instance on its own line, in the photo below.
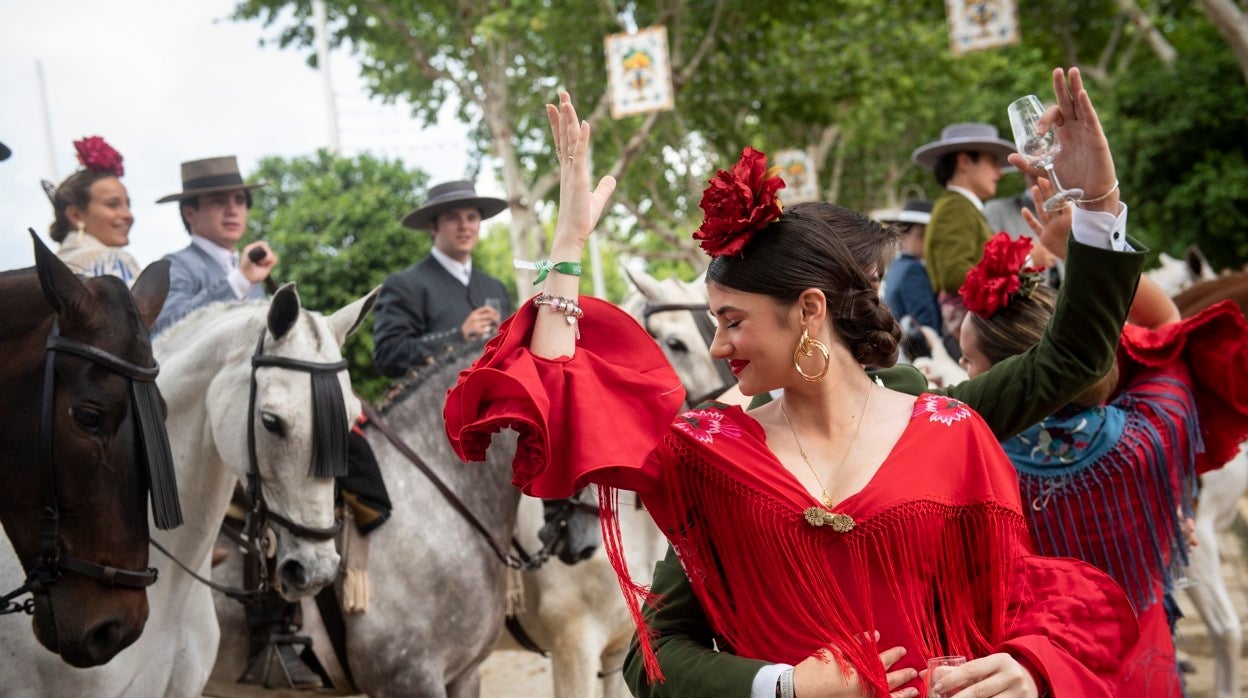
point(847, 529)
point(92, 214)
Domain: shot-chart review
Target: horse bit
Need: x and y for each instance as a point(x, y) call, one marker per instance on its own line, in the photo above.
point(152, 439)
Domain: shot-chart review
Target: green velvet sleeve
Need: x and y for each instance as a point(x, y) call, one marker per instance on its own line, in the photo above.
point(1077, 347)
point(684, 645)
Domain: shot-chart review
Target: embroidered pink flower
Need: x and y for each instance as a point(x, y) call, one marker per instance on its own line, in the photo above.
point(940, 408)
point(703, 425)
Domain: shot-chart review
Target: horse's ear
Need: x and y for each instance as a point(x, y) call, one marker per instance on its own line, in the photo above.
point(1196, 263)
point(349, 318)
point(283, 310)
point(64, 291)
point(150, 290)
point(648, 285)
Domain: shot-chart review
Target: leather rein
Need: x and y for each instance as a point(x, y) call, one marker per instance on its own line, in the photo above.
point(52, 560)
point(521, 560)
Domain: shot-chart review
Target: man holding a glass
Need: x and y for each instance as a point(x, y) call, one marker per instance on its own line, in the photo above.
point(440, 301)
point(967, 162)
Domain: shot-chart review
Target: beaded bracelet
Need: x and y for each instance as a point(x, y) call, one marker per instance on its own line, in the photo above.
point(568, 306)
point(1102, 197)
point(545, 266)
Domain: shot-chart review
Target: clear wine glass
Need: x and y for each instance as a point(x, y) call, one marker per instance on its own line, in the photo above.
point(1039, 150)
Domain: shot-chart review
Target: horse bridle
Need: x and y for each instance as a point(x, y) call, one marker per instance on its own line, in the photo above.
point(706, 327)
point(329, 459)
point(329, 450)
point(152, 439)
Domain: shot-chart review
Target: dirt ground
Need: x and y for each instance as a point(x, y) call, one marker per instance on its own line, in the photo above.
point(514, 674)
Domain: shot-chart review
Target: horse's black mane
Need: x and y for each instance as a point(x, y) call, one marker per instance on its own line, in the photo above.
point(453, 357)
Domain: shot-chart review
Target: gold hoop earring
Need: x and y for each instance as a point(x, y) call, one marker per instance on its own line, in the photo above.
point(806, 347)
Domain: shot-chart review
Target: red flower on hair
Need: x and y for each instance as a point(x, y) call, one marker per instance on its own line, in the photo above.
point(738, 204)
point(999, 275)
point(98, 156)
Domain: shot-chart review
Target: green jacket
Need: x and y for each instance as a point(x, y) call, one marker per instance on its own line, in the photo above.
point(1077, 348)
point(954, 241)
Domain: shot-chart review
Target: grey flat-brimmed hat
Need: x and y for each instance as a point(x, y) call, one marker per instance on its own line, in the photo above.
point(971, 136)
point(448, 195)
point(209, 175)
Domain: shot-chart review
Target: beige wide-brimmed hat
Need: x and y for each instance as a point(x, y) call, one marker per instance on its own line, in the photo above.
point(971, 136)
point(449, 195)
point(210, 175)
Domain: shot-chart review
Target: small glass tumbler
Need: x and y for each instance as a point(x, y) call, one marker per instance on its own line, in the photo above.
point(937, 667)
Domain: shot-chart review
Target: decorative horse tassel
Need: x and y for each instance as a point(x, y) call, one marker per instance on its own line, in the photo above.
point(355, 562)
point(329, 426)
point(166, 509)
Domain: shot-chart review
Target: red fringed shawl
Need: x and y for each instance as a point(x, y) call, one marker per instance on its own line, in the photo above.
point(933, 553)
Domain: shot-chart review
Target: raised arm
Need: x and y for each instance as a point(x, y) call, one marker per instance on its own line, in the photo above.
point(579, 210)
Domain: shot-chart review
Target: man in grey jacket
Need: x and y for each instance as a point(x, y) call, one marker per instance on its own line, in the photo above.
point(214, 203)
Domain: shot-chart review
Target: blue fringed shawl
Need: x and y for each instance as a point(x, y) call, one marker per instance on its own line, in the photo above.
point(1106, 484)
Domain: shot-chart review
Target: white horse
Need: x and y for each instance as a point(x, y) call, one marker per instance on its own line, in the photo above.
point(206, 375)
point(577, 612)
point(437, 588)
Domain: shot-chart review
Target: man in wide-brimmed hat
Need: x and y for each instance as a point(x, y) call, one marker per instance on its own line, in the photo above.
point(967, 162)
point(441, 300)
point(214, 204)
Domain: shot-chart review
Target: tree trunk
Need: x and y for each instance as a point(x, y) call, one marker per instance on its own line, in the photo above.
point(1232, 24)
point(1161, 48)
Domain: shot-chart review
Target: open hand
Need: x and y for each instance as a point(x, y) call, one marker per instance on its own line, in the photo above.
point(579, 207)
point(1085, 161)
point(1052, 228)
point(819, 676)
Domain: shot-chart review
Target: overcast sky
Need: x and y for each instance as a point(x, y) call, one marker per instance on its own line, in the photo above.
point(165, 81)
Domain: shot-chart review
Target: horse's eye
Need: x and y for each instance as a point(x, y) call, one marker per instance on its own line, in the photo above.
point(273, 423)
point(90, 420)
point(676, 345)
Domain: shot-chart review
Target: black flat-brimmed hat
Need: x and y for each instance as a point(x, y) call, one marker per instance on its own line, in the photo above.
point(972, 137)
point(5, 152)
point(450, 195)
point(210, 175)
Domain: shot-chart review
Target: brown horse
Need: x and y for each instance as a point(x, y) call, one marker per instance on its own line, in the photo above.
point(1203, 294)
point(74, 495)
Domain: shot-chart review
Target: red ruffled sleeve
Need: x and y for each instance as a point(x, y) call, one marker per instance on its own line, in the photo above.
point(1214, 345)
point(594, 417)
point(1070, 623)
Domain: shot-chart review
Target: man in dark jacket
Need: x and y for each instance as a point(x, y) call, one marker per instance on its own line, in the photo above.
point(441, 300)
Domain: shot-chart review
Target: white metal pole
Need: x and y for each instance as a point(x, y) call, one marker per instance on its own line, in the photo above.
point(49, 151)
point(322, 60)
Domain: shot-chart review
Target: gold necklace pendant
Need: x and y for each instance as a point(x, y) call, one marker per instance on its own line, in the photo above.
point(827, 498)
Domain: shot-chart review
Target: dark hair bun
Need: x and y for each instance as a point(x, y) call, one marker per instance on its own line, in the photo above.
point(867, 327)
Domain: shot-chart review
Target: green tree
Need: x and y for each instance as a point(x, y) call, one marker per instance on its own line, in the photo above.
point(334, 223)
point(1181, 141)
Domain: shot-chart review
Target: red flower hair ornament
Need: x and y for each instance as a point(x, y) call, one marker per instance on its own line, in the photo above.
point(738, 204)
point(98, 156)
point(1000, 276)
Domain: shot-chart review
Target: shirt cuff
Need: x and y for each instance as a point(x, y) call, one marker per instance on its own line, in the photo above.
point(1101, 228)
point(765, 680)
point(239, 283)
